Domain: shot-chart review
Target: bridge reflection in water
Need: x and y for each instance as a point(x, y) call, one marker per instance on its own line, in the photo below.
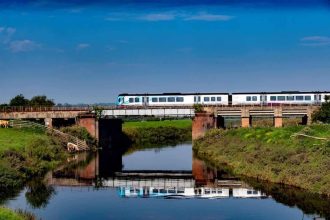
point(104, 169)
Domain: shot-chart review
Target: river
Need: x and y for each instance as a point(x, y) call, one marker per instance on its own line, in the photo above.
point(146, 183)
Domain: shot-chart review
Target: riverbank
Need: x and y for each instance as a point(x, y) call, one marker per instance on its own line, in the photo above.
point(25, 154)
point(157, 133)
point(8, 214)
point(273, 154)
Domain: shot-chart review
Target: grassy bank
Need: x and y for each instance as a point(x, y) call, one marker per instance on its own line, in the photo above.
point(184, 123)
point(26, 153)
point(273, 154)
point(8, 214)
point(16, 139)
point(149, 133)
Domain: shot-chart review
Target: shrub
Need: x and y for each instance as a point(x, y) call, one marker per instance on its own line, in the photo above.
point(323, 114)
point(81, 133)
point(198, 108)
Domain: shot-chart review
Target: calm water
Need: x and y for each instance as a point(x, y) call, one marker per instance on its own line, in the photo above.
point(87, 190)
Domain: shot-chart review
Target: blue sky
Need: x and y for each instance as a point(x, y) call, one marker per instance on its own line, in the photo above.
point(81, 52)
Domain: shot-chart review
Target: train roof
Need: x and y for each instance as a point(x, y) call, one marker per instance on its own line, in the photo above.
point(169, 94)
point(282, 92)
point(220, 93)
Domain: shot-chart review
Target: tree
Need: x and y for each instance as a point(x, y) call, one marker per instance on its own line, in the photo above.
point(41, 100)
point(19, 100)
point(323, 114)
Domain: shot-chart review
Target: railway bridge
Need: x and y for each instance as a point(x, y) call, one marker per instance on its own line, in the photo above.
point(211, 117)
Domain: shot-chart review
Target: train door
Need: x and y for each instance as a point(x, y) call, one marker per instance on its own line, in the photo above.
point(263, 99)
point(318, 99)
point(197, 99)
point(145, 100)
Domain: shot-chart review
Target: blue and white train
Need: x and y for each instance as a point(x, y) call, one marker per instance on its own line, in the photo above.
point(189, 99)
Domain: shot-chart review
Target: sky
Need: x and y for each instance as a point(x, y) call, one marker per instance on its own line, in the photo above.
point(79, 51)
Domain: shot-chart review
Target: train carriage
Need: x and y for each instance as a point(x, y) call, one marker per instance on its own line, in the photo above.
point(222, 99)
point(172, 99)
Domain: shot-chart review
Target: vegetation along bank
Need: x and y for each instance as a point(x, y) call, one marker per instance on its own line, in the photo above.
point(296, 155)
point(26, 154)
point(155, 133)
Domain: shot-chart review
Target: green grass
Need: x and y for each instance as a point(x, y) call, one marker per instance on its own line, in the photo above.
point(25, 154)
point(184, 123)
point(7, 214)
point(273, 154)
point(16, 138)
point(157, 133)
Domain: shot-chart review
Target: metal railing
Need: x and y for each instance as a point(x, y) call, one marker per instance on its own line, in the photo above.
point(42, 109)
point(8, 109)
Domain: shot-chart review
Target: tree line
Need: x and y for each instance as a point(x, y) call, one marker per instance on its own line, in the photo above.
point(39, 100)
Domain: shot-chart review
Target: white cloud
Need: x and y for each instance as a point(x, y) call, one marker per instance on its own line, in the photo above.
point(208, 17)
point(23, 46)
point(315, 41)
point(169, 16)
point(158, 17)
point(6, 33)
point(10, 30)
point(82, 46)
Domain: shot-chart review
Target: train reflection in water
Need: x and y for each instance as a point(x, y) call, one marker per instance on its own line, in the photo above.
point(189, 193)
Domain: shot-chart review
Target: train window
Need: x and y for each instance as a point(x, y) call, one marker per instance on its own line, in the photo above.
point(143, 99)
point(171, 191)
point(147, 99)
point(179, 99)
point(308, 98)
point(273, 98)
point(248, 98)
point(290, 98)
point(131, 100)
point(207, 191)
point(206, 99)
point(281, 98)
point(212, 99)
point(162, 99)
point(199, 98)
point(219, 99)
point(155, 190)
point(299, 98)
point(162, 190)
point(249, 192)
point(171, 99)
point(154, 99)
point(137, 99)
point(195, 98)
point(254, 98)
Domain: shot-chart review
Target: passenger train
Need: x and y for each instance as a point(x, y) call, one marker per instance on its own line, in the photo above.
point(189, 193)
point(189, 99)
